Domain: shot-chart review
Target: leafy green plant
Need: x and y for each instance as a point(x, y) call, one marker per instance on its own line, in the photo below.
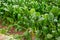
point(42, 16)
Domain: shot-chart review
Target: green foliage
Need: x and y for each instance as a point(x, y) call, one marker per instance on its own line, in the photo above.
point(42, 16)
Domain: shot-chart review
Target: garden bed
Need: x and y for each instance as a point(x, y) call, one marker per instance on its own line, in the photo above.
point(30, 19)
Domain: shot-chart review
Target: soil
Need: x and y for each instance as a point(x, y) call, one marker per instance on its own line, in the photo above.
point(12, 31)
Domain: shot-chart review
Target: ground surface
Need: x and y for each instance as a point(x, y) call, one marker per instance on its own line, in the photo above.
point(11, 31)
point(5, 37)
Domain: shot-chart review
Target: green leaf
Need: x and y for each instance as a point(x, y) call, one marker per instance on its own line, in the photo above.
point(49, 36)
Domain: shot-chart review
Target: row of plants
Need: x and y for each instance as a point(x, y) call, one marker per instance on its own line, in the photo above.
point(39, 18)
